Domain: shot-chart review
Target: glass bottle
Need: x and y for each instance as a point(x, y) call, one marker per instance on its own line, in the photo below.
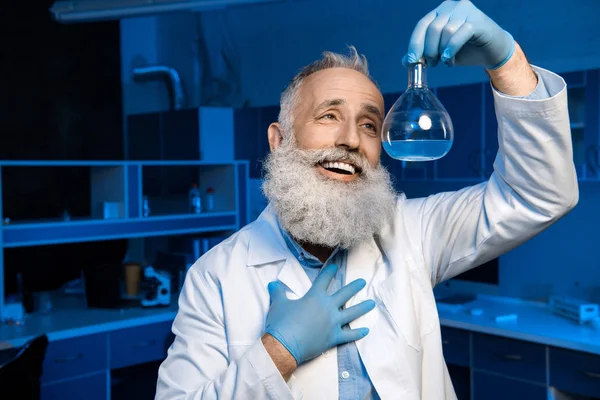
point(195, 201)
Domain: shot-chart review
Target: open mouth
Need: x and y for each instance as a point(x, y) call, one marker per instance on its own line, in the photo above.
point(340, 167)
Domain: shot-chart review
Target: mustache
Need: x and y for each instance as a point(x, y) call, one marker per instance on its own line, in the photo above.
point(332, 154)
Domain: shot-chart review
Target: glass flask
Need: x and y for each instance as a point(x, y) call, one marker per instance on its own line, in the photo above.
point(417, 127)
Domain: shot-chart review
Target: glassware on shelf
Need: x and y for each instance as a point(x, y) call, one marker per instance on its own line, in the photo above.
point(195, 200)
point(66, 216)
point(133, 273)
point(210, 199)
point(145, 206)
point(417, 127)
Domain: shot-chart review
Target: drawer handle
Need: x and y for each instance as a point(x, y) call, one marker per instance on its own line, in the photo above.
point(445, 342)
point(68, 359)
point(512, 357)
point(147, 343)
point(593, 375)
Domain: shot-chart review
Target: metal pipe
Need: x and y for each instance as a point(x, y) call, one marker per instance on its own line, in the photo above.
point(171, 78)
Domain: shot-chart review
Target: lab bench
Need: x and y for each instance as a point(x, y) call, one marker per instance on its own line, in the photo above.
point(87, 345)
point(537, 356)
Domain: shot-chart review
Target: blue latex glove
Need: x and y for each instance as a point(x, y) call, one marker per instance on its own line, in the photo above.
point(458, 33)
point(311, 325)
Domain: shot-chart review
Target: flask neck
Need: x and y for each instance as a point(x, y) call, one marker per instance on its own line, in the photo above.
point(417, 76)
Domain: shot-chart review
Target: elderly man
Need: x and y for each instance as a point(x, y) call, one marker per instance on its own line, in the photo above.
point(329, 293)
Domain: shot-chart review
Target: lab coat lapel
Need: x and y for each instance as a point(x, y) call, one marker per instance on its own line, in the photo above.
point(363, 262)
point(391, 364)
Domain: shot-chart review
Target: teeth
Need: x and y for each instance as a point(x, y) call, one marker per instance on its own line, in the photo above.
point(339, 165)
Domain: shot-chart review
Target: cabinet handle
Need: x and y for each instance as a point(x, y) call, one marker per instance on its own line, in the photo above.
point(68, 359)
point(593, 375)
point(445, 342)
point(512, 357)
point(147, 343)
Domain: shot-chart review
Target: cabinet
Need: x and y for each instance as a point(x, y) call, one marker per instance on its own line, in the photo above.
point(465, 105)
point(72, 357)
point(583, 90)
point(81, 367)
point(489, 367)
point(140, 344)
point(496, 387)
point(92, 387)
point(575, 372)
point(508, 357)
point(456, 346)
point(117, 194)
point(472, 156)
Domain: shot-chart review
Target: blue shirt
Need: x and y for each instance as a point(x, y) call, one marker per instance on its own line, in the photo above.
point(353, 380)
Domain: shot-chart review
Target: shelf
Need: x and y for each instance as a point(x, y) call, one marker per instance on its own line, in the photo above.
point(33, 234)
point(115, 192)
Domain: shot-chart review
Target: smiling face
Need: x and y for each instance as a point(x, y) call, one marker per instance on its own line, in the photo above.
point(323, 176)
point(337, 107)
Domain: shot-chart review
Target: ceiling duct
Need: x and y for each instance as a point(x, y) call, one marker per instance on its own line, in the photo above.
point(107, 10)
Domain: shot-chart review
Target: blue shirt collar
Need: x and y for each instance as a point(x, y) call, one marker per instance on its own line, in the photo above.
point(305, 258)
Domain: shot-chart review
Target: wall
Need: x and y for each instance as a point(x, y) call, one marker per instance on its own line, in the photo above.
point(265, 44)
point(193, 46)
point(275, 40)
point(162, 40)
point(563, 259)
point(139, 48)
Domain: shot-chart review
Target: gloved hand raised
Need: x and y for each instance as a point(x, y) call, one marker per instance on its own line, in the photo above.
point(311, 325)
point(458, 33)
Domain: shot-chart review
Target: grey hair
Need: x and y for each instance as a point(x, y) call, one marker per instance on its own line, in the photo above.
point(289, 97)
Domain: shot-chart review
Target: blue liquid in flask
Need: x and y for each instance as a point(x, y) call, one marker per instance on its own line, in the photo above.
point(417, 127)
point(417, 150)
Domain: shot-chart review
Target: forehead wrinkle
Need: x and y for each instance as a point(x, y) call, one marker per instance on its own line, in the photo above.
point(330, 103)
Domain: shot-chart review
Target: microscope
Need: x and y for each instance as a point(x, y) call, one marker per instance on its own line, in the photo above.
point(155, 288)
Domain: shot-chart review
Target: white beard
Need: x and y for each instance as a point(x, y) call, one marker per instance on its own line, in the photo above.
point(323, 211)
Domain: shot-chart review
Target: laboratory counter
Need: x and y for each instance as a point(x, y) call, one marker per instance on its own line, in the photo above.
point(534, 322)
point(86, 344)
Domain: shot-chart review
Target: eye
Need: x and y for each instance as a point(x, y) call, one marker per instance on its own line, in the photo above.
point(328, 116)
point(370, 127)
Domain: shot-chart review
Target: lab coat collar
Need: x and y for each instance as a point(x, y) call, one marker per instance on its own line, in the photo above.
point(267, 245)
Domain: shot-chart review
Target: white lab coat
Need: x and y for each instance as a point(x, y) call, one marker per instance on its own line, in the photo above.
point(217, 352)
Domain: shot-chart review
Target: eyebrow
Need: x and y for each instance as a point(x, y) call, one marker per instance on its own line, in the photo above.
point(368, 107)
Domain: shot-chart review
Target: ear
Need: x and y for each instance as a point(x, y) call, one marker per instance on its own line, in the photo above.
point(275, 135)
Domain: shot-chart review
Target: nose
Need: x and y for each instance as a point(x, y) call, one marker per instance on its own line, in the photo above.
point(348, 137)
